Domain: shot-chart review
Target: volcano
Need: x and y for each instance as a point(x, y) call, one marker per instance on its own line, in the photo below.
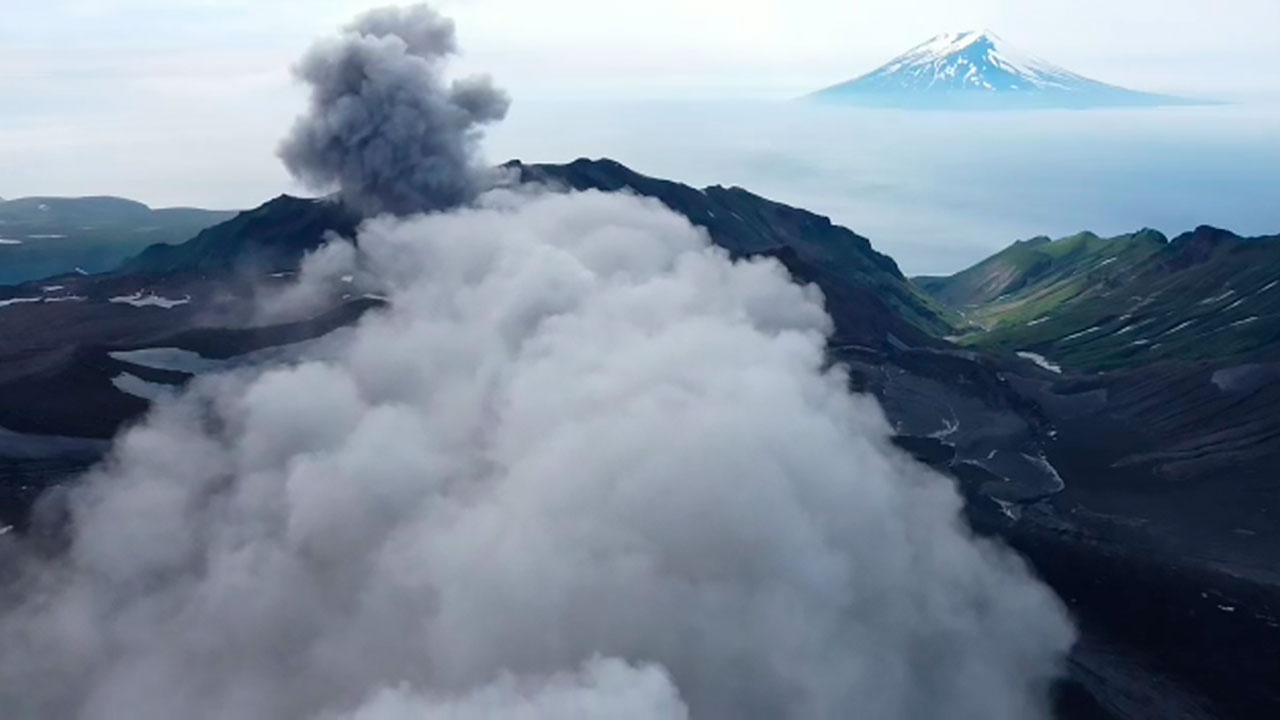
point(978, 69)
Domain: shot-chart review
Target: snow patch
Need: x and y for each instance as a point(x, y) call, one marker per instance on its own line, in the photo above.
point(949, 428)
point(19, 300)
point(1011, 510)
point(185, 361)
point(971, 55)
point(137, 387)
point(42, 299)
point(45, 237)
point(1039, 321)
point(1082, 333)
point(1245, 321)
point(1040, 461)
point(7, 241)
point(169, 358)
point(1218, 298)
point(1238, 379)
point(1041, 361)
point(141, 299)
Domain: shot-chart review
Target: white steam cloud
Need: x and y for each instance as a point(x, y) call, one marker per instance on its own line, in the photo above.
point(584, 465)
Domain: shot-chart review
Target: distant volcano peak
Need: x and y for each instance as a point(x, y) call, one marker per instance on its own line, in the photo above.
point(978, 68)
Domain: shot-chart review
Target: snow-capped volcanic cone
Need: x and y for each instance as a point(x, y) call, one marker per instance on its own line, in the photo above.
point(978, 69)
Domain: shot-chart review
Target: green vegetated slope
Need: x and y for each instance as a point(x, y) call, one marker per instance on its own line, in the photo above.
point(44, 236)
point(1092, 303)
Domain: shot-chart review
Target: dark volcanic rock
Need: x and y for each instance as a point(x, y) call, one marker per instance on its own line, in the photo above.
point(68, 390)
point(867, 293)
point(1165, 540)
point(270, 238)
point(1198, 246)
point(869, 297)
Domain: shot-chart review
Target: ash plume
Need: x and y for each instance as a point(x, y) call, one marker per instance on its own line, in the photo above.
point(384, 126)
point(584, 464)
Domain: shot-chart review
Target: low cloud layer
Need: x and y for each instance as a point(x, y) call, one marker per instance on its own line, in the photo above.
point(384, 126)
point(583, 466)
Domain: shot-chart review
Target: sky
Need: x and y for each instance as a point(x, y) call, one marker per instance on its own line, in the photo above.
point(183, 102)
point(752, 47)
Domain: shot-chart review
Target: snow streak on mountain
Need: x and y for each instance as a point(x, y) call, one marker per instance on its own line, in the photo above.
point(979, 69)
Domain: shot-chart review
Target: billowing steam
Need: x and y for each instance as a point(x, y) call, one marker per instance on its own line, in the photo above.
point(584, 465)
point(585, 462)
point(384, 126)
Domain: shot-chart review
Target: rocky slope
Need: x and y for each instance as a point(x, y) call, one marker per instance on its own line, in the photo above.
point(270, 238)
point(62, 375)
point(1154, 362)
point(878, 300)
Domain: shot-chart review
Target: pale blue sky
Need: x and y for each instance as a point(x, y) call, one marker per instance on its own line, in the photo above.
point(181, 101)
